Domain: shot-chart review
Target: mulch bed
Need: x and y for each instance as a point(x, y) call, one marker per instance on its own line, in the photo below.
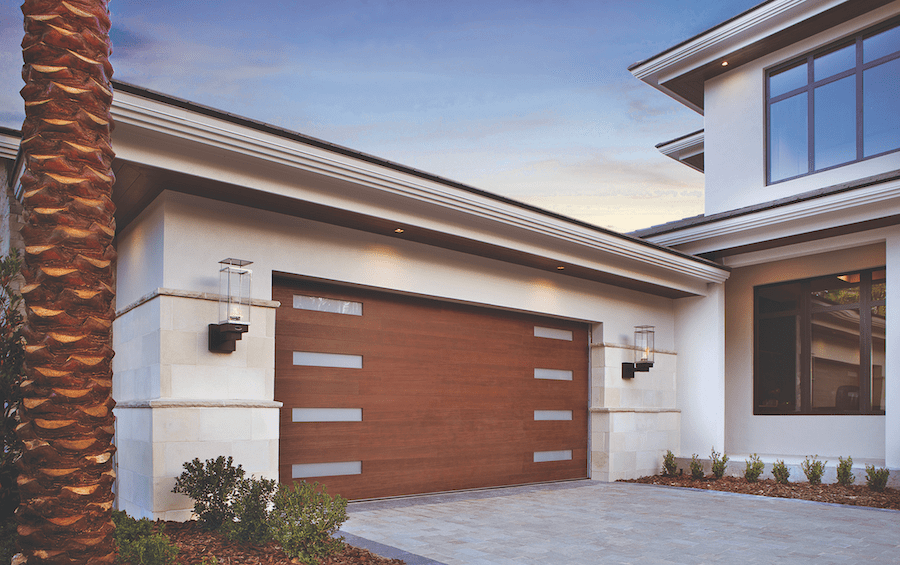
point(856, 495)
point(195, 544)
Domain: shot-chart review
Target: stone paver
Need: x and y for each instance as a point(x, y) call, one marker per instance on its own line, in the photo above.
point(588, 522)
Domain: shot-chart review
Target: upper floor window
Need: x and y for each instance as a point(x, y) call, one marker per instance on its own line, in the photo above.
point(835, 106)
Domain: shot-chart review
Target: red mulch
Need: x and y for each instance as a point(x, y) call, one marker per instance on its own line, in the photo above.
point(857, 495)
point(195, 544)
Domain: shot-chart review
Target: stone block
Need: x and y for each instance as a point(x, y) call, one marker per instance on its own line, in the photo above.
point(255, 456)
point(178, 347)
point(264, 423)
point(260, 352)
point(169, 458)
point(224, 424)
point(176, 424)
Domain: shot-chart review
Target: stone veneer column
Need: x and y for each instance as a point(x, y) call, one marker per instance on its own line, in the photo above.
point(177, 401)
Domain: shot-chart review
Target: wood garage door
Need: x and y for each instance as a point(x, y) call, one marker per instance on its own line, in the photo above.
point(388, 395)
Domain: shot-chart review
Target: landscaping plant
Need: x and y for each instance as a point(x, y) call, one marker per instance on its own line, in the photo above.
point(754, 469)
point(213, 487)
point(303, 520)
point(251, 510)
point(781, 472)
point(813, 469)
point(718, 463)
point(877, 478)
point(669, 464)
point(139, 544)
point(844, 475)
point(696, 467)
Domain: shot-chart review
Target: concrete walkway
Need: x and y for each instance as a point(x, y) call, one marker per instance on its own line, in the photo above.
point(588, 522)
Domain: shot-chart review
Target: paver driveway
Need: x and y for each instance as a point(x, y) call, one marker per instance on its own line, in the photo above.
point(588, 522)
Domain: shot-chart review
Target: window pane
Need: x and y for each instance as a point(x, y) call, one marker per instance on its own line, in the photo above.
point(878, 354)
point(879, 288)
point(881, 108)
point(777, 377)
point(835, 115)
point(786, 81)
point(835, 290)
point(788, 149)
point(778, 298)
point(881, 44)
point(835, 361)
point(835, 62)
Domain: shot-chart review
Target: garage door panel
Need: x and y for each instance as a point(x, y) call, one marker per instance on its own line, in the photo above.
point(447, 394)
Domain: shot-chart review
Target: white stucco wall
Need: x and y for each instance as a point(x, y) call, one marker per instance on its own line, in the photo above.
point(176, 245)
point(734, 117)
point(862, 437)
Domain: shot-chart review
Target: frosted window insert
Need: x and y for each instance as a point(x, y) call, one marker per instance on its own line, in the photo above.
point(544, 456)
point(326, 415)
point(552, 415)
point(552, 333)
point(553, 374)
point(319, 304)
point(313, 359)
point(326, 469)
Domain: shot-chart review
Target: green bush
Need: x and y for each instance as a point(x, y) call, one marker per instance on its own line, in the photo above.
point(213, 488)
point(304, 519)
point(754, 469)
point(12, 357)
point(669, 464)
point(781, 472)
point(844, 475)
point(719, 463)
point(877, 478)
point(139, 544)
point(696, 467)
point(251, 508)
point(813, 469)
point(8, 537)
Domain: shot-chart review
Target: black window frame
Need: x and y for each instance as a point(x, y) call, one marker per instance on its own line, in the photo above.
point(803, 312)
point(810, 87)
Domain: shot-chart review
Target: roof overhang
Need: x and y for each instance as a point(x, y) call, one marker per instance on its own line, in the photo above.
point(167, 144)
point(679, 72)
point(834, 212)
point(687, 149)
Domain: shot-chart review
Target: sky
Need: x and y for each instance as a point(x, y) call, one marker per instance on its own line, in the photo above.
point(528, 99)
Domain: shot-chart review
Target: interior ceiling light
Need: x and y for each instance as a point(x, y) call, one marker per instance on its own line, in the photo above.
point(398, 230)
point(724, 63)
point(560, 268)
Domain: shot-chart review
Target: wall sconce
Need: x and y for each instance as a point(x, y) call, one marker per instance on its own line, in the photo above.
point(643, 352)
point(234, 305)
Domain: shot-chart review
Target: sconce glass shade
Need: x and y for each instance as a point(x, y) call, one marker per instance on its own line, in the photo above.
point(234, 291)
point(644, 346)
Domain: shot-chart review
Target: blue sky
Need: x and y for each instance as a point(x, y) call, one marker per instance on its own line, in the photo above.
point(528, 99)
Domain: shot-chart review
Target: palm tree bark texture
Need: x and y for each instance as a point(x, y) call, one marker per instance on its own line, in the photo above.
point(66, 473)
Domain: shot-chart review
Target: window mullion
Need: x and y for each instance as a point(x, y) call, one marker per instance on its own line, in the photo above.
point(865, 343)
point(805, 349)
point(860, 134)
point(810, 116)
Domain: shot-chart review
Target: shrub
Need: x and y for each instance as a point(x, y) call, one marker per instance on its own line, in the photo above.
point(813, 469)
point(718, 463)
point(251, 508)
point(844, 475)
point(8, 537)
point(877, 478)
point(12, 357)
point(304, 519)
point(781, 472)
point(213, 487)
point(669, 464)
point(696, 467)
point(138, 544)
point(754, 469)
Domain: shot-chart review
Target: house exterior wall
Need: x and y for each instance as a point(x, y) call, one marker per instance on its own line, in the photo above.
point(862, 437)
point(735, 130)
point(164, 374)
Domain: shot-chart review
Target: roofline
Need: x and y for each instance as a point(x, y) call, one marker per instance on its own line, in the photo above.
point(679, 138)
point(318, 143)
point(701, 219)
point(699, 35)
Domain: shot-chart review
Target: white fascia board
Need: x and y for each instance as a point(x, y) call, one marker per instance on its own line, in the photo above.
point(9, 146)
point(683, 148)
point(148, 115)
point(752, 27)
point(852, 206)
point(807, 248)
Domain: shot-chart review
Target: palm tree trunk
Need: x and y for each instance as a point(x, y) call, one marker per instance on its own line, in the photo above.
point(66, 473)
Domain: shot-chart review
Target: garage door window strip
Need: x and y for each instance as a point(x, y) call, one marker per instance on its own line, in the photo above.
point(332, 305)
point(553, 333)
point(326, 415)
point(338, 360)
point(336, 469)
point(553, 374)
point(547, 456)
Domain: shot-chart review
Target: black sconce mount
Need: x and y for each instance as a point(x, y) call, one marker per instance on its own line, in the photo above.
point(224, 337)
point(629, 369)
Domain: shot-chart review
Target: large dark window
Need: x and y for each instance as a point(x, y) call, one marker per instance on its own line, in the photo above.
point(835, 106)
point(819, 345)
